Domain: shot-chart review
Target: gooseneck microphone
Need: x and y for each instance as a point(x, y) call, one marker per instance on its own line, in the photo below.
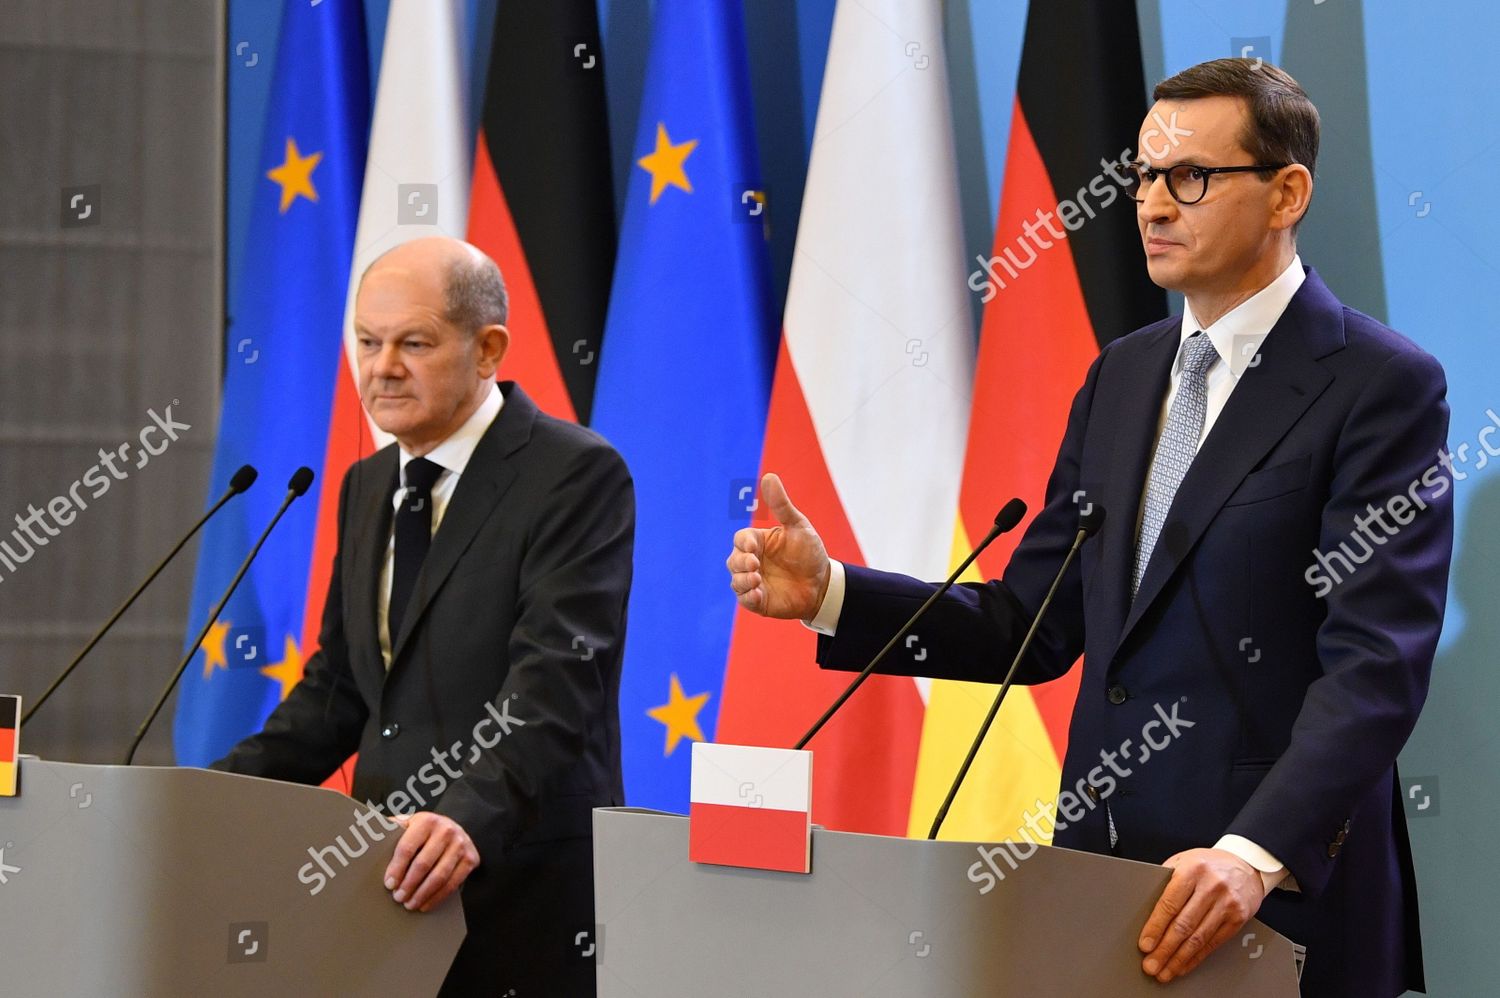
point(242, 480)
point(1089, 523)
point(1009, 515)
point(301, 479)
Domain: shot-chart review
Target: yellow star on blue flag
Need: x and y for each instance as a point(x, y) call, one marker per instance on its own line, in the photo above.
point(295, 175)
point(680, 715)
point(665, 163)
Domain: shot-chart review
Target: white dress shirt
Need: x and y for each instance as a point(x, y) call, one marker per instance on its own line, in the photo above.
point(452, 455)
point(1237, 336)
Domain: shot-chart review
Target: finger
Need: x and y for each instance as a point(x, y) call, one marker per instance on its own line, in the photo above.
point(1179, 889)
point(754, 600)
point(464, 863)
point(1227, 931)
point(421, 865)
point(780, 503)
point(406, 847)
point(744, 582)
point(1196, 945)
point(436, 881)
point(742, 561)
point(1178, 933)
point(749, 540)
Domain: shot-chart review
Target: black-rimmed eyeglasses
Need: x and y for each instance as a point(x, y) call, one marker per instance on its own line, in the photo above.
point(1186, 182)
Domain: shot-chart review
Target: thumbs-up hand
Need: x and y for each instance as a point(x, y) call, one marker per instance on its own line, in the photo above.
point(781, 571)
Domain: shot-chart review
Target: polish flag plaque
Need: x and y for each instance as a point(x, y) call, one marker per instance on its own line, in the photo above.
point(751, 807)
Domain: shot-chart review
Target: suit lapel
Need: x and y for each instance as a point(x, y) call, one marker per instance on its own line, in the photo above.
point(370, 500)
point(480, 488)
point(1269, 399)
point(1137, 410)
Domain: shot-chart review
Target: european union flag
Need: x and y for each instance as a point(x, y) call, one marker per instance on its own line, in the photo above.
point(684, 381)
point(285, 351)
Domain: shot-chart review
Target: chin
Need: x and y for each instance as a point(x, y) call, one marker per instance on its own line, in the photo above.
point(1163, 274)
point(395, 427)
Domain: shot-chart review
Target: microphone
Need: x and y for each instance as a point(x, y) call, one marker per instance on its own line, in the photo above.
point(1010, 515)
point(242, 480)
point(1089, 522)
point(301, 479)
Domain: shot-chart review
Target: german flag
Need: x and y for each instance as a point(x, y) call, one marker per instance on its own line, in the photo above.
point(10, 742)
point(1066, 276)
point(541, 203)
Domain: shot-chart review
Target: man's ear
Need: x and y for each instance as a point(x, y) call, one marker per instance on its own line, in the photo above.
point(493, 342)
point(1293, 192)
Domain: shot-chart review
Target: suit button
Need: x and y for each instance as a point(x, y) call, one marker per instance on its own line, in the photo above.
point(1117, 695)
point(390, 730)
point(1093, 792)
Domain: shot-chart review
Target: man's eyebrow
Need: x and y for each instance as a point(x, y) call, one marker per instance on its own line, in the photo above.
point(1138, 161)
point(399, 334)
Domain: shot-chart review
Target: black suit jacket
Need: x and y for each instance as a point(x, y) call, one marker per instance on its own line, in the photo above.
point(520, 608)
point(1298, 699)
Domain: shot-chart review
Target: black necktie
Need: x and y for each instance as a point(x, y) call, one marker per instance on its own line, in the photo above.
point(413, 537)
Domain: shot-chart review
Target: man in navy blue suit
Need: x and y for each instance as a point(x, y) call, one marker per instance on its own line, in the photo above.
point(1270, 580)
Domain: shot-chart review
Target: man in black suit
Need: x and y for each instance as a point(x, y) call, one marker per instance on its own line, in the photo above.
point(1240, 595)
point(472, 636)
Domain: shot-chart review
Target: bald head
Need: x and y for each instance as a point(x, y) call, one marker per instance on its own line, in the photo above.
point(469, 282)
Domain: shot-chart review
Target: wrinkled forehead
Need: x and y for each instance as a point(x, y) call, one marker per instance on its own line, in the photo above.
point(1207, 130)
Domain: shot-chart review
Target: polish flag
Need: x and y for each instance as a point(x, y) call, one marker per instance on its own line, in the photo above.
point(870, 401)
point(751, 807)
point(421, 146)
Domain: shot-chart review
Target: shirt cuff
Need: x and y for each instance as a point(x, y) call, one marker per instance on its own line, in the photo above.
point(826, 621)
point(1273, 873)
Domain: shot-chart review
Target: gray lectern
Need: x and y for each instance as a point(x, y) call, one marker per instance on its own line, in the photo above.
point(158, 881)
point(883, 917)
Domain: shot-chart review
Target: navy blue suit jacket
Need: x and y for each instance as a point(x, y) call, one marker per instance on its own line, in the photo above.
point(1300, 687)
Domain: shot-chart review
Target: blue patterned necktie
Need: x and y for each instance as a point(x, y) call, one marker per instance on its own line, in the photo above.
point(1176, 448)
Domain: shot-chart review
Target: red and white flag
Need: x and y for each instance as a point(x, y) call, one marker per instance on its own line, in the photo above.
point(751, 807)
point(870, 403)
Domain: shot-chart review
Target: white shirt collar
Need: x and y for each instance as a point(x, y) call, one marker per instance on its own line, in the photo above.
point(454, 452)
point(1237, 335)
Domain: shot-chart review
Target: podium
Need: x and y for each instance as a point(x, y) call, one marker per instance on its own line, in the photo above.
point(883, 917)
point(160, 881)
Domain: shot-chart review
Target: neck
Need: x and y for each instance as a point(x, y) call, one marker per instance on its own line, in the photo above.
point(1211, 306)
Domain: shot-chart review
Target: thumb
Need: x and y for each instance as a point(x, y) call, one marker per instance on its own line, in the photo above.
point(780, 503)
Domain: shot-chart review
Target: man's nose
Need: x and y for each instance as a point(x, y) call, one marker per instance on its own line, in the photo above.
point(1159, 205)
point(387, 362)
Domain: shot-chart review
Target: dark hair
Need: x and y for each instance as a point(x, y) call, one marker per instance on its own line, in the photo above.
point(1283, 126)
point(474, 293)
